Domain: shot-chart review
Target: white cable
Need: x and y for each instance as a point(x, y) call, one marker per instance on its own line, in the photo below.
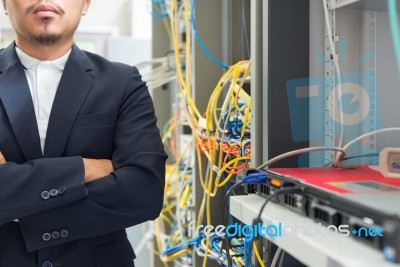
point(276, 257)
point(385, 130)
point(161, 72)
point(345, 3)
point(338, 76)
point(143, 241)
point(160, 82)
point(301, 151)
point(281, 260)
point(216, 118)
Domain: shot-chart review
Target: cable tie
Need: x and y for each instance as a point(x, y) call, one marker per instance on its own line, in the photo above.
point(216, 169)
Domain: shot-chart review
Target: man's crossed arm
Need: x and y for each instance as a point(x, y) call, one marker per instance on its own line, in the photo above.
point(94, 168)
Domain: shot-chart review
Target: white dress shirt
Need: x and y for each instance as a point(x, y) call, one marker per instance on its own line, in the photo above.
point(43, 79)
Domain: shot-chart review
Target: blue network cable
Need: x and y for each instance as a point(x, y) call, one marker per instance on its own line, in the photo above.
point(179, 247)
point(247, 257)
point(215, 243)
point(200, 42)
point(394, 26)
point(153, 10)
point(171, 234)
point(244, 147)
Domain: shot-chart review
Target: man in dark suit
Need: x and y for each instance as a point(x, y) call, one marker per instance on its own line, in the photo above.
point(81, 156)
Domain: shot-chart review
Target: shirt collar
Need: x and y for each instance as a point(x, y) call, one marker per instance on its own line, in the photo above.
point(29, 61)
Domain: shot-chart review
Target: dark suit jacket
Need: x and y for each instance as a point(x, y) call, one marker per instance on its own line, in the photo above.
point(101, 110)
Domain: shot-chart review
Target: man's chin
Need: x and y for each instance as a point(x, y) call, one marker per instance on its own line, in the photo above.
point(46, 39)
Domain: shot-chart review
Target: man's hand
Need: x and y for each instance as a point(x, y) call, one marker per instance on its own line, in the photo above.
point(96, 169)
point(2, 159)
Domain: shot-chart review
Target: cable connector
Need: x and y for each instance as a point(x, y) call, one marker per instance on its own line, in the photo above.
point(256, 178)
point(256, 221)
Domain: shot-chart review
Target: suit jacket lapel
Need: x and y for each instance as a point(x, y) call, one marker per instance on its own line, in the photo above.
point(74, 86)
point(17, 101)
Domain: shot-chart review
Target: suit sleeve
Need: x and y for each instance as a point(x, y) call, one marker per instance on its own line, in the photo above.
point(132, 194)
point(39, 185)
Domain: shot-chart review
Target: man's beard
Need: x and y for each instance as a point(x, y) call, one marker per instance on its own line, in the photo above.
point(46, 39)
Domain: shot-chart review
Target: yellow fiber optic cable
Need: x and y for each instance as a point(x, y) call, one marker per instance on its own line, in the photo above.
point(176, 255)
point(185, 196)
point(260, 261)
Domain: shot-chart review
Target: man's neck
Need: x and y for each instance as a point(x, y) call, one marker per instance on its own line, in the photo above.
point(45, 52)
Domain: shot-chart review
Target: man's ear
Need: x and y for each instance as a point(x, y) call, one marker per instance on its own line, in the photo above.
point(5, 7)
point(85, 8)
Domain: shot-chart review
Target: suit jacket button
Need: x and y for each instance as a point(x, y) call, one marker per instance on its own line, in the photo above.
point(61, 190)
point(55, 234)
point(53, 192)
point(47, 264)
point(45, 195)
point(64, 233)
point(46, 236)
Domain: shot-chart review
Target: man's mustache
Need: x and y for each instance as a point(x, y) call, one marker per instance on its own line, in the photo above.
point(32, 8)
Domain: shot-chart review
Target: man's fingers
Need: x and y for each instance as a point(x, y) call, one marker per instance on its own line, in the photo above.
point(96, 168)
point(2, 159)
